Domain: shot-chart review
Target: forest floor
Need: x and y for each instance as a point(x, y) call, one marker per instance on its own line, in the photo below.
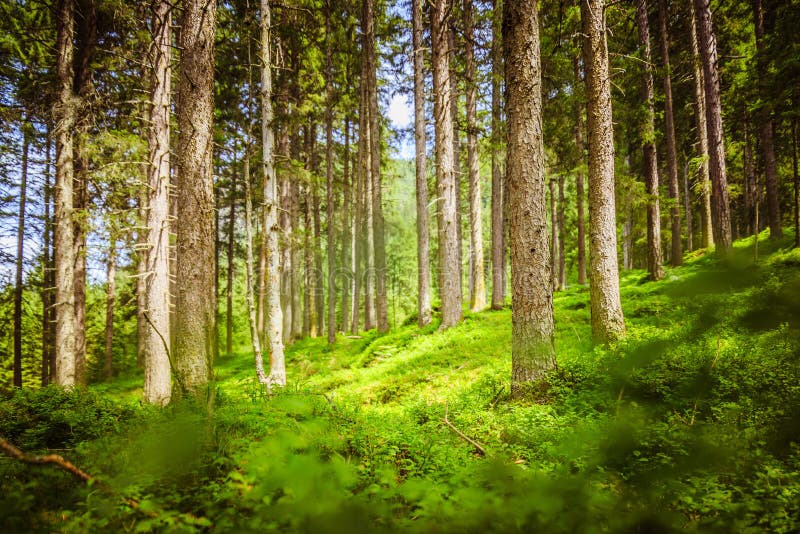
point(692, 422)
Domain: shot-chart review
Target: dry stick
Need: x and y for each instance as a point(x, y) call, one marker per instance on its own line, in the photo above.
point(58, 460)
point(463, 436)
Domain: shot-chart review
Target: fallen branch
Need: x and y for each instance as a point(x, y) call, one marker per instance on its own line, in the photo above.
point(55, 459)
point(463, 436)
point(59, 461)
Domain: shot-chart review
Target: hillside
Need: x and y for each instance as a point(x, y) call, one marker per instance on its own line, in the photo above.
point(690, 423)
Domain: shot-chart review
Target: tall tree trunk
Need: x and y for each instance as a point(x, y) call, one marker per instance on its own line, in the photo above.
point(157, 367)
point(47, 271)
point(554, 248)
point(309, 323)
point(750, 179)
point(796, 183)
point(607, 320)
point(378, 225)
point(580, 193)
point(687, 207)
point(195, 321)
point(86, 41)
point(294, 210)
point(423, 228)
point(229, 277)
point(64, 245)
point(767, 130)
point(707, 237)
point(319, 277)
point(347, 238)
point(255, 332)
point(648, 134)
point(111, 297)
point(477, 297)
point(20, 250)
point(720, 206)
point(329, 181)
point(450, 266)
point(358, 220)
point(562, 258)
point(532, 348)
point(676, 255)
point(498, 193)
point(451, 46)
point(285, 218)
point(277, 371)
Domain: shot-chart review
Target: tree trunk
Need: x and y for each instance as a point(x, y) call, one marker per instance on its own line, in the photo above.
point(580, 193)
point(767, 129)
point(255, 333)
point(358, 219)
point(676, 254)
point(702, 133)
point(648, 134)
point(229, 277)
point(294, 210)
point(451, 44)
point(157, 298)
point(749, 178)
point(796, 180)
point(319, 277)
point(20, 249)
point(423, 228)
point(720, 206)
point(562, 258)
point(65, 111)
point(86, 41)
point(608, 323)
point(329, 182)
point(554, 248)
point(477, 297)
point(111, 297)
point(347, 238)
point(195, 321)
point(532, 348)
point(687, 207)
point(47, 272)
point(378, 235)
point(277, 371)
point(498, 193)
point(449, 244)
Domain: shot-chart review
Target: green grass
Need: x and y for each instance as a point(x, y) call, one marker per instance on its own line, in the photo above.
point(689, 423)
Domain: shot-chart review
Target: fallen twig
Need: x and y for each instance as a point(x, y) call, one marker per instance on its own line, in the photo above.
point(463, 436)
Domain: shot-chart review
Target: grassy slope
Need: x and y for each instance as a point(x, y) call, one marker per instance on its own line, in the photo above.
point(690, 422)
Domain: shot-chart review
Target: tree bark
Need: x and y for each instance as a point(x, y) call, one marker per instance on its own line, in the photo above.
point(720, 206)
point(255, 332)
point(687, 208)
point(449, 244)
point(796, 183)
point(707, 236)
point(767, 130)
point(86, 41)
point(498, 193)
point(195, 321)
point(347, 238)
point(378, 225)
point(48, 361)
point(329, 96)
point(157, 379)
point(676, 253)
point(359, 236)
point(477, 298)
point(277, 371)
point(229, 277)
point(554, 247)
point(451, 44)
point(19, 261)
point(608, 323)
point(64, 245)
point(562, 258)
point(111, 297)
point(423, 228)
point(648, 133)
point(532, 348)
point(580, 193)
point(749, 178)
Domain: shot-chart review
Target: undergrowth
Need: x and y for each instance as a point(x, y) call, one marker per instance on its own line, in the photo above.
point(690, 423)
